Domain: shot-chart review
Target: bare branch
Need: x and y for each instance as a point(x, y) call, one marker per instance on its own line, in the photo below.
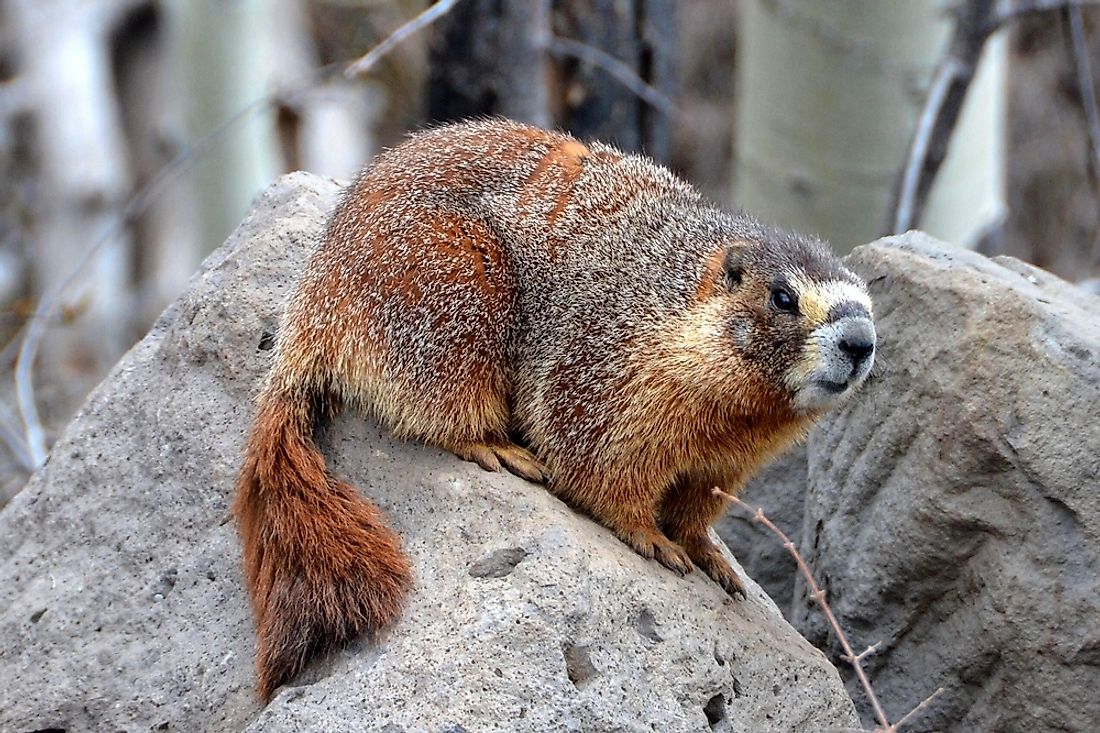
point(1011, 11)
point(1086, 85)
point(12, 429)
point(434, 12)
point(975, 21)
point(913, 713)
point(35, 435)
point(620, 71)
point(868, 651)
point(818, 595)
point(916, 161)
point(12, 437)
point(940, 114)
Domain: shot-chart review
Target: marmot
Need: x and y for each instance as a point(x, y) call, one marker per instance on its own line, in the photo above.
point(488, 282)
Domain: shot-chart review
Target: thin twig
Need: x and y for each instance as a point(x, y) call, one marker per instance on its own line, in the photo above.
point(940, 113)
point(913, 713)
point(35, 435)
point(434, 12)
point(12, 437)
point(1012, 11)
point(946, 76)
point(11, 429)
point(818, 595)
point(868, 651)
point(1085, 85)
point(617, 69)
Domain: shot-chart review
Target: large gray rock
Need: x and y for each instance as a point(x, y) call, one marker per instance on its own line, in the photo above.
point(953, 511)
point(122, 606)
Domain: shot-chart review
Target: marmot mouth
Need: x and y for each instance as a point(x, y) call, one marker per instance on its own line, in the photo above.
point(833, 387)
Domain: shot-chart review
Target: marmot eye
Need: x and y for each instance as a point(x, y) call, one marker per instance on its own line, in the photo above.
point(784, 300)
point(733, 277)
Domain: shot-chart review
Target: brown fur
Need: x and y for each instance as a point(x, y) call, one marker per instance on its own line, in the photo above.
point(320, 563)
point(488, 280)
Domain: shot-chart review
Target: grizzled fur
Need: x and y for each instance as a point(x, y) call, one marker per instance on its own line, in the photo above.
point(489, 280)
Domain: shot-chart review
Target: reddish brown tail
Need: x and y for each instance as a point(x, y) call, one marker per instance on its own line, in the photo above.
point(320, 562)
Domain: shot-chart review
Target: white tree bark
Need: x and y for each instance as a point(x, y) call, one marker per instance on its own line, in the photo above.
point(220, 51)
point(336, 137)
point(829, 94)
point(164, 229)
point(335, 132)
point(64, 61)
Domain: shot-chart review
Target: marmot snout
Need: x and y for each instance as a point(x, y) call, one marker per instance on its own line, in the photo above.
point(839, 352)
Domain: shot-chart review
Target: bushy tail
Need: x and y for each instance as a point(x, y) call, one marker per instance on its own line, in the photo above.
point(320, 562)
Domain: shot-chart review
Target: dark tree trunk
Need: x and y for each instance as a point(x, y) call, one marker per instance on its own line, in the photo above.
point(489, 59)
point(497, 57)
point(640, 33)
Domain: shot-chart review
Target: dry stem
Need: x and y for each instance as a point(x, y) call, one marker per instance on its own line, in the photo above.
point(855, 660)
point(432, 13)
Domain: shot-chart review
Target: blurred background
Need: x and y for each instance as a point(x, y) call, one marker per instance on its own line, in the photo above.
point(135, 133)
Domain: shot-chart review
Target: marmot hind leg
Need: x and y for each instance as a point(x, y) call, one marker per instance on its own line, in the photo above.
point(438, 337)
point(493, 453)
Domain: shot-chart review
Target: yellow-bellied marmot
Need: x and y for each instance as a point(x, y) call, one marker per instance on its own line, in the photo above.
point(487, 280)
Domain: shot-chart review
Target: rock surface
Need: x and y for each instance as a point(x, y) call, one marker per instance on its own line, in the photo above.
point(122, 606)
point(953, 510)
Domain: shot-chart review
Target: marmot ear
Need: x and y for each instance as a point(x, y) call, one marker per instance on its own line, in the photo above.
point(734, 265)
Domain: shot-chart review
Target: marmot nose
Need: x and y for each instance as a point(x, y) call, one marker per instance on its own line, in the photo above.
point(858, 341)
point(858, 349)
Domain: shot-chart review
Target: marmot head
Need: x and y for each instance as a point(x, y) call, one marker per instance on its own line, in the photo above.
point(798, 312)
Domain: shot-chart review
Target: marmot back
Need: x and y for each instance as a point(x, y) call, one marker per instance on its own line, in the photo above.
point(488, 280)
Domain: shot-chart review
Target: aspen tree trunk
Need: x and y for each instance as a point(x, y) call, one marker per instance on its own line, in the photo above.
point(219, 49)
point(829, 95)
point(326, 128)
point(224, 56)
point(64, 59)
point(165, 251)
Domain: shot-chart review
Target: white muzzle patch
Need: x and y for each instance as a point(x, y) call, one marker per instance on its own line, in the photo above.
point(839, 356)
